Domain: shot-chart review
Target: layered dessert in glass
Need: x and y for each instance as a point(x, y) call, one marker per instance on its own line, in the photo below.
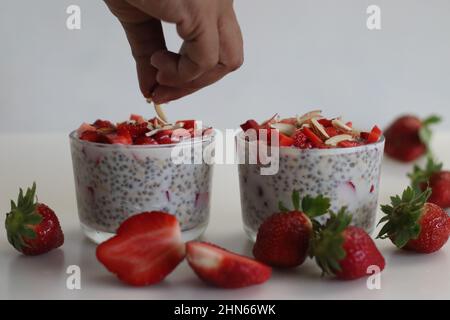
point(142, 165)
point(314, 155)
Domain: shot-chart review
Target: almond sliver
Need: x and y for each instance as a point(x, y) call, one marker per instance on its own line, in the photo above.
point(285, 128)
point(308, 116)
point(336, 139)
point(319, 128)
point(338, 124)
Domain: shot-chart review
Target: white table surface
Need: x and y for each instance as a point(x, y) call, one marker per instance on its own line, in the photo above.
point(45, 158)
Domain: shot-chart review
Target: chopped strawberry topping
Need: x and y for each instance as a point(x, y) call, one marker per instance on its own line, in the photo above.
point(315, 140)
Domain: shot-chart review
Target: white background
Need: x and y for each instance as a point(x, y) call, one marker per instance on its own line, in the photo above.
point(299, 55)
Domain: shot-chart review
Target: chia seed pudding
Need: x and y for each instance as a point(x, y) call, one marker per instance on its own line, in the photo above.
point(349, 176)
point(116, 181)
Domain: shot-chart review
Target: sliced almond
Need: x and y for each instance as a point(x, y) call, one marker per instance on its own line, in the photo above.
point(338, 124)
point(306, 125)
point(339, 138)
point(318, 128)
point(153, 132)
point(160, 113)
point(308, 116)
point(284, 128)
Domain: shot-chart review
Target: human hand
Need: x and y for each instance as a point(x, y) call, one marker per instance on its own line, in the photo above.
point(212, 45)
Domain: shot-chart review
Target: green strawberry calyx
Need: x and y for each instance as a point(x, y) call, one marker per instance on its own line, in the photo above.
point(327, 245)
point(421, 176)
point(425, 132)
point(401, 220)
point(22, 218)
point(312, 207)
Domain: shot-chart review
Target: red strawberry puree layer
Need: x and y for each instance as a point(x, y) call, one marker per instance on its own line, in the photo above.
point(114, 182)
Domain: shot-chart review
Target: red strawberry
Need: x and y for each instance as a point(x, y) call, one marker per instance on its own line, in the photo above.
point(188, 124)
point(408, 137)
point(122, 136)
point(85, 127)
point(250, 124)
point(345, 251)
point(284, 140)
point(283, 239)
point(33, 228)
point(325, 122)
point(434, 177)
point(103, 124)
point(374, 135)
point(137, 118)
point(315, 140)
point(331, 131)
point(146, 249)
point(301, 140)
point(144, 140)
point(414, 224)
point(135, 129)
point(225, 269)
point(92, 136)
point(349, 144)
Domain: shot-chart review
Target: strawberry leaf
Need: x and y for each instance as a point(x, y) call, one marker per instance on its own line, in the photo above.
point(421, 176)
point(315, 207)
point(402, 216)
point(425, 132)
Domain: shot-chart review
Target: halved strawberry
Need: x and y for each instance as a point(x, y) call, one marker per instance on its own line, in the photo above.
point(225, 269)
point(146, 249)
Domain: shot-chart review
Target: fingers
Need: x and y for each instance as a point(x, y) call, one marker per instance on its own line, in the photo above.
point(230, 58)
point(198, 55)
point(145, 39)
point(145, 36)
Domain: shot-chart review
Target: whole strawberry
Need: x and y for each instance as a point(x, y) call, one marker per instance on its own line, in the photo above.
point(345, 251)
point(32, 228)
point(434, 177)
point(408, 138)
point(283, 239)
point(414, 224)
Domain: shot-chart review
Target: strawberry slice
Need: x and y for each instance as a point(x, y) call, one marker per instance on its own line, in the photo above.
point(188, 124)
point(103, 124)
point(85, 127)
point(315, 140)
point(325, 122)
point(225, 269)
point(139, 119)
point(92, 136)
point(144, 140)
point(331, 131)
point(284, 140)
point(349, 144)
point(135, 130)
point(120, 137)
point(374, 135)
point(146, 249)
point(250, 124)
